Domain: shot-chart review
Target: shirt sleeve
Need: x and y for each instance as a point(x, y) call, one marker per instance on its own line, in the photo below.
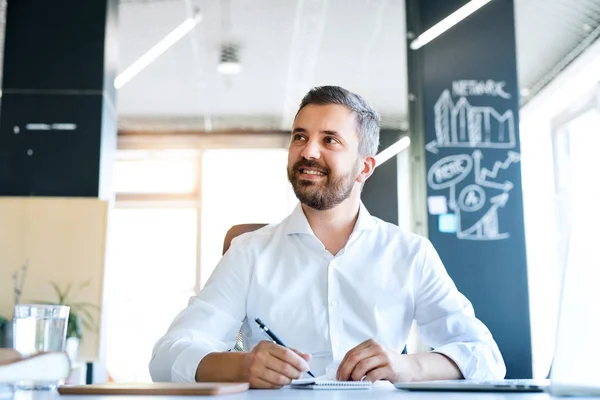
point(209, 323)
point(447, 322)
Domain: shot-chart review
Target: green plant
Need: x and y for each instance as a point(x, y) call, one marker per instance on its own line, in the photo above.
point(3, 321)
point(3, 338)
point(80, 314)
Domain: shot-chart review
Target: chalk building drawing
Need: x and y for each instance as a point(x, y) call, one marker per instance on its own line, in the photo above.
point(462, 125)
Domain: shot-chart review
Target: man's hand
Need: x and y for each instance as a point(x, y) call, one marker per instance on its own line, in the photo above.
point(271, 366)
point(372, 361)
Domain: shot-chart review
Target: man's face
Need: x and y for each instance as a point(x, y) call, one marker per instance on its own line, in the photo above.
point(323, 161)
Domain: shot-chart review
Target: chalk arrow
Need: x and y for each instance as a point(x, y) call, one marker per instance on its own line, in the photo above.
point(500, 200)
point(432, 147)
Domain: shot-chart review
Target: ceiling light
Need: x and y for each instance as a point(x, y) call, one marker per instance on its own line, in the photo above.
point(229, 63)
point(392, 150)
point(447, 23)
point(157, 50)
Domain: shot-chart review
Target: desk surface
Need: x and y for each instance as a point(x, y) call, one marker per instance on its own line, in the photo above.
point(380, 391)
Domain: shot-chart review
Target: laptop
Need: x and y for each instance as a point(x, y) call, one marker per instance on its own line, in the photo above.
point(574, 368)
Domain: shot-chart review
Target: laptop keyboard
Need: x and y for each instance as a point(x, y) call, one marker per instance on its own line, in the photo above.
point(513, 382)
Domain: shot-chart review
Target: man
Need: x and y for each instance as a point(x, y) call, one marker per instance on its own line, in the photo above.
point(330, 280)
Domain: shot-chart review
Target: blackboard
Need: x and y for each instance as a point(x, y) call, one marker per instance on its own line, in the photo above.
point(472, 157)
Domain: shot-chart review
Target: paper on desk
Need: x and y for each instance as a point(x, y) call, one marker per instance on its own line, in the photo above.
point(330, 376)
point(330, 373)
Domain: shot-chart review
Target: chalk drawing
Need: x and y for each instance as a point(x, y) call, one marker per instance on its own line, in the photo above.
point(448, 172)
point(462, 125)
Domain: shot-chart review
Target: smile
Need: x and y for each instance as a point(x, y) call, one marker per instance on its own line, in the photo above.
point(311, 172)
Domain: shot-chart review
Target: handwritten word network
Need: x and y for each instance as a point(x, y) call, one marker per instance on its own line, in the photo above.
point(479, 88)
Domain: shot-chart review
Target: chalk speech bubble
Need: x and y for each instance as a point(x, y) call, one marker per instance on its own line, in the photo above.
point(449, 170)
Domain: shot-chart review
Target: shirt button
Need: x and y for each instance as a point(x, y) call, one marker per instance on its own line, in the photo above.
point(334, 303)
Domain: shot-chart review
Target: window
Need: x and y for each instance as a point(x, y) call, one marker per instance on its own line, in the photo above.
point(152, 254)
point(155, 263)
point(156, 171)
point(240, 186)
point(576, 176)
point(151, 276)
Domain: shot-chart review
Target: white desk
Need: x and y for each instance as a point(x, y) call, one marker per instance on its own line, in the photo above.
point(380, 391)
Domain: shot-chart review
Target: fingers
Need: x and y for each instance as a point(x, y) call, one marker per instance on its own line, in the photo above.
point(354, 356)
point(363, 345)
point(289, 357)
point(275, 378)
point(379, 374)
point(364, 367)
point(283, 368)
point(273, 366)
point(258, 383)
point(306, 356)
point(263, 374)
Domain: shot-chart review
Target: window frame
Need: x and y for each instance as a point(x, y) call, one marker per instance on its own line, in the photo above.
point(191, 141)
point(559, 129)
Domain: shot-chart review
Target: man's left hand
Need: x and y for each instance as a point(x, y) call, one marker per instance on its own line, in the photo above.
point(373, 362)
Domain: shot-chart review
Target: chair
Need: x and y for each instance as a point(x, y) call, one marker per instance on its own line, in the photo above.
point(237, 230)
point(232, 233)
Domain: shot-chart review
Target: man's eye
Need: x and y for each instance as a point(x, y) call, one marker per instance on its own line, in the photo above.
point(330, 140)
point(298, 137)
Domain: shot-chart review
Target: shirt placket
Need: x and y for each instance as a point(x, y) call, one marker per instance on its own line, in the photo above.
point(334, 310)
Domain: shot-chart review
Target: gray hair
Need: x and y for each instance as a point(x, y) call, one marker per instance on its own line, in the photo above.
point(367, 118)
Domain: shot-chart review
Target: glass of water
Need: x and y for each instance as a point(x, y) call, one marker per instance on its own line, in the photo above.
point(38, 328)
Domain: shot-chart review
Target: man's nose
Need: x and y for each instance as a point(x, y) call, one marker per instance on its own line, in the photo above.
point(311, 150)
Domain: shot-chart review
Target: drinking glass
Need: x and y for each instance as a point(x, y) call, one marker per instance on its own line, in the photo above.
point(39, 328)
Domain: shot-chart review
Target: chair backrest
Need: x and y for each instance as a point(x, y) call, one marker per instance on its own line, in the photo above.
point(233, 232)
point(237, 230)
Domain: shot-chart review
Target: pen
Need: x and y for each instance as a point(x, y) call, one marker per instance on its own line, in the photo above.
point(273, 336)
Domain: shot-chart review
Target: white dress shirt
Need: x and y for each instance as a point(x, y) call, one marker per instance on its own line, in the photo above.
point(375, 287)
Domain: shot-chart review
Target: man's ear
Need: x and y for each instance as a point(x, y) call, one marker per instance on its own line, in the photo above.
point(369, 164)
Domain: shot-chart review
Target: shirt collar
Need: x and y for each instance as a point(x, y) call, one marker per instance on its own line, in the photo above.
point(297, 222)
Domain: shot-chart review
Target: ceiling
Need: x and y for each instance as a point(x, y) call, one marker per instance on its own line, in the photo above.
point(551, 34)
point(286, 47)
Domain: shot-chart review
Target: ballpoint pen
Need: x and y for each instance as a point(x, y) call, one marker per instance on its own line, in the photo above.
point(273, 336)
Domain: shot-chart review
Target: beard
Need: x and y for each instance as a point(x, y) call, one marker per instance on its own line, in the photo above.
point(323, 194)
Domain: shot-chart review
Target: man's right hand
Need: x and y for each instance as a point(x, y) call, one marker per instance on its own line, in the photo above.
point(271, 366)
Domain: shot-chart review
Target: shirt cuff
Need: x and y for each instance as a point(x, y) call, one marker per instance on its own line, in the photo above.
point(185, 365)
point(473, 361)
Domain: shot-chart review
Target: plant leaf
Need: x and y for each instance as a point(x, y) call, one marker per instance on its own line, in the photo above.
point(57, 291)
point(84, 304)
point(88, 316)
point(66, 292)
point(87, 325)
point(85, 284)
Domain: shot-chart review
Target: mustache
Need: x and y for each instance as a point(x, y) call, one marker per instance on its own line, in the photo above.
point(310, 164)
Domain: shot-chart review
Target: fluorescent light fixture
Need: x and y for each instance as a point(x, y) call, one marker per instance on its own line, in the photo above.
point(229, 63)
point(392, 150)
point(447, 23)
point(157, 50)
point(229, 68)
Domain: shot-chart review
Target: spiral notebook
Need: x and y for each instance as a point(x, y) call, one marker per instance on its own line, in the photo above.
point(322, 383)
